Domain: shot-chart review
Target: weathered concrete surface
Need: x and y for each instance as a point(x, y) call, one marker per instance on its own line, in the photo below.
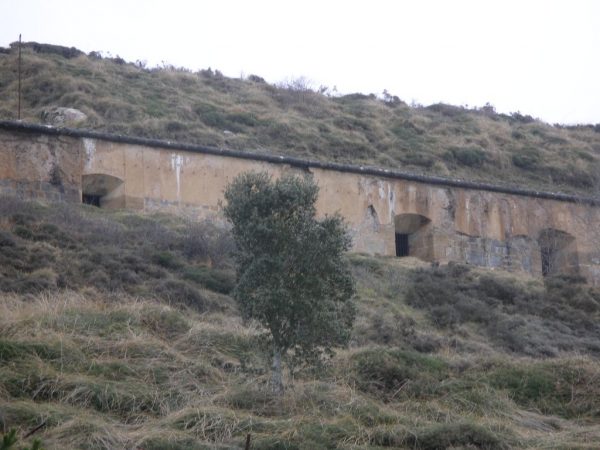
point(442, 223)
point(40, 166)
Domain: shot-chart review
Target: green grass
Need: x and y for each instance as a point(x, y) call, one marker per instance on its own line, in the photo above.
point(210, 109)
point(108, 364)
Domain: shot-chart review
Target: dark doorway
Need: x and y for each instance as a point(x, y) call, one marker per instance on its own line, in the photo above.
point(93, 200)
point(402, 244)
point(558, 252)
point(547, 258)
point(101, 190)
point(414, 236)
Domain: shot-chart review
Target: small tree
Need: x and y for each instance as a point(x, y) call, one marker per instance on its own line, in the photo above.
point(292, 277)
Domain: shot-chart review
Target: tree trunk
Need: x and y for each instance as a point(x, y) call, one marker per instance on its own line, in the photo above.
point(277, 376)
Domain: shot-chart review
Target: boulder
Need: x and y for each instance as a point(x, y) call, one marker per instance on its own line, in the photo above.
point(60, 117)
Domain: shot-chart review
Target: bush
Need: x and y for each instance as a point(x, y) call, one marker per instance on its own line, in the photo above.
point(222, 281)
point(14, 350)
point(37, 281)
point(65, 52)
point(529, 159)
point(9, 440)
point(451, 435)
point(173, 443)
point(467, 156)
point(180, 292)
point(386, 372)
point(567, 389)
point(418, 159)
point(165, 322)
point(6, 240)
point(207, 243)
point(166, 259)
point(520, 318)
point(23, 232)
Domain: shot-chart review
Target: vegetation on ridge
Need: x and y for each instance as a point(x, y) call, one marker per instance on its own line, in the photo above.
point(109, 361)
point(293, 119)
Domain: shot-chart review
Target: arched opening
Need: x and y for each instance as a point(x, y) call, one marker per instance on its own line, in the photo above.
point(558, 252)
point(99, 189)
point(413, 236)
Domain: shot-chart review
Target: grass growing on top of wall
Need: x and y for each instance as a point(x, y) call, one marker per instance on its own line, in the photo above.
point(293, 118)
point(116, 331)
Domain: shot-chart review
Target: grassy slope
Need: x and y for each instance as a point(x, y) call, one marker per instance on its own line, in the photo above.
point(208, 108)
point(117, 330)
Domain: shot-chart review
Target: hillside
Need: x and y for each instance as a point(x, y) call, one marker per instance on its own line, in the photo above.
point(117, 331)
point(210, 109)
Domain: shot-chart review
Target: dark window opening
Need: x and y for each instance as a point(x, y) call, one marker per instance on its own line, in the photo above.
point(401, 244)
point(93, 200)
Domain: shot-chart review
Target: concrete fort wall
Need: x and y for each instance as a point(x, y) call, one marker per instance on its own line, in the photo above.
point(388, 213)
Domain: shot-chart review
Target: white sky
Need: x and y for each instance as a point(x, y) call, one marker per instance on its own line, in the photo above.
point(537, 57)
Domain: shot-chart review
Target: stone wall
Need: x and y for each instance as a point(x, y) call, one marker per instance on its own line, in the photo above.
point(436, 220)
point(40, 166)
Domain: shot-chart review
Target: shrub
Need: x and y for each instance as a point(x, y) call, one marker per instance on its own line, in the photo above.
point(520, 318)
point(180, 292)
point(467, 156)
point(447, 110)
point(164, 322)
point(166, 259)
point(418, 159)
point(252, 398)
point(222, 281)
point(565, 388)
point(14, 350)
point(65, 52)
point(173, 443)
point(386, 372)
point(37, 281)
point(9, 440)
point(529, 159)
point(451, 435)
point(205, 242)
point(23, 232)
point(6, 239)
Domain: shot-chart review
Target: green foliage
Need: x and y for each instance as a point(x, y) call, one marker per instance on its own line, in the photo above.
point(168, 323)
point(296, 119)
point(453, 435)
point(69, 246)
point(386, 372)
point(222, 281)
point(468, 156)
point(568, 389)
point(107, 369)
point(166, 259)
point(526, 319)
point(528, 159)
point(182, 293)
point(9, 440)
point(293, 278)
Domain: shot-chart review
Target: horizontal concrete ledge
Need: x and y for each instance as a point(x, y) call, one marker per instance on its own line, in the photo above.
point(295, 162)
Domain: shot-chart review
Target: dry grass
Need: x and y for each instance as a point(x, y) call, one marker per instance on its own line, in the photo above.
point(138, 388)
point(210, 109)
point(122, 368)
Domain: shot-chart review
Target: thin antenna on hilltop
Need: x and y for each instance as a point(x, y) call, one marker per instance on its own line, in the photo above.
point(19, 104)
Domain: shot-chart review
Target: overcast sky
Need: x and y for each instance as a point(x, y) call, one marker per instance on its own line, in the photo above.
point(537, 57)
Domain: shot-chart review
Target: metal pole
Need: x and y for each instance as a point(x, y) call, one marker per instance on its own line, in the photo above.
point(19, 107)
